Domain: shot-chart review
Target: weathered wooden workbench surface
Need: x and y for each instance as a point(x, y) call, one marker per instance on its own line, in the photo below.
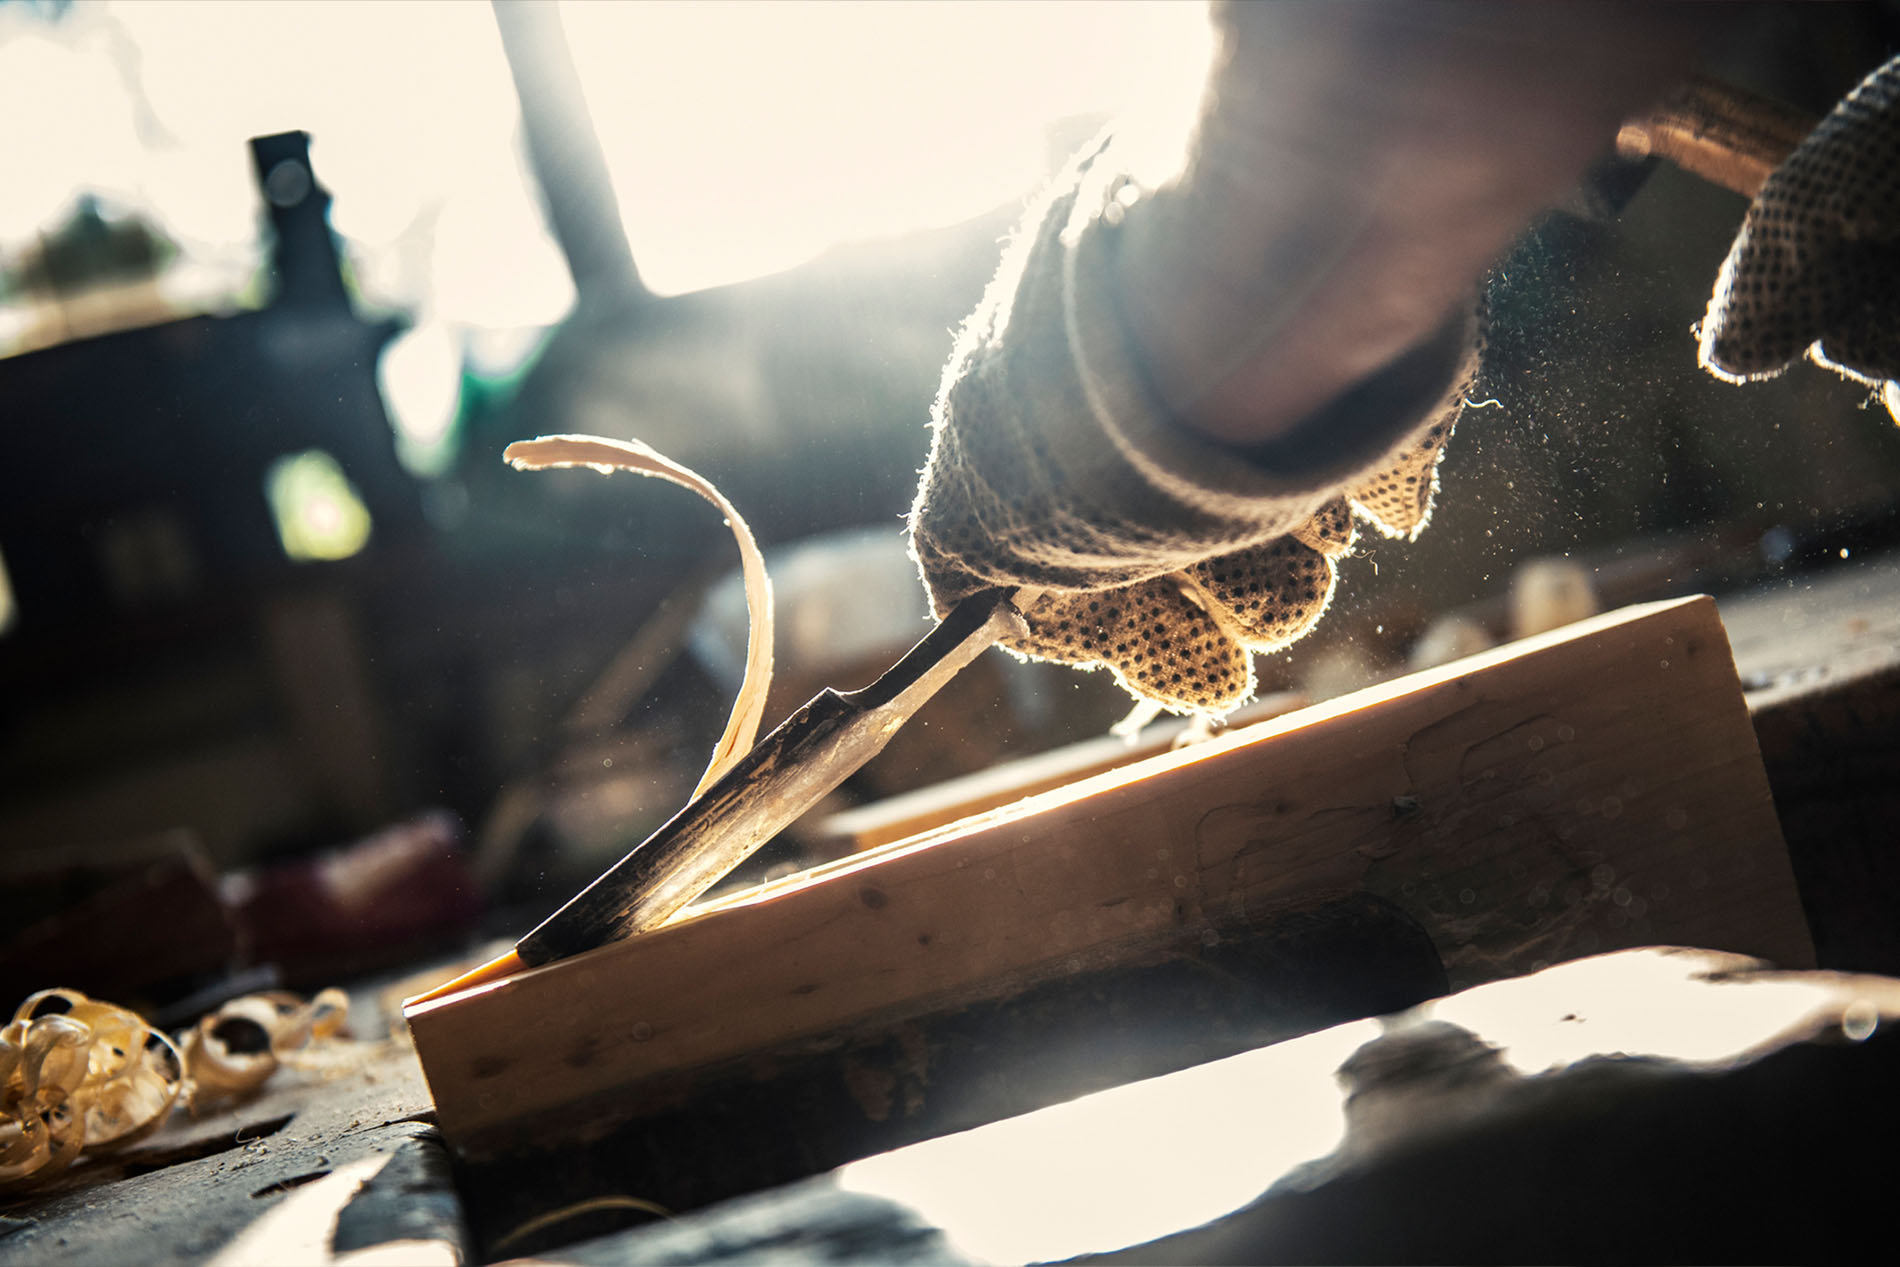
point(191, 1191)
point(1821, 657)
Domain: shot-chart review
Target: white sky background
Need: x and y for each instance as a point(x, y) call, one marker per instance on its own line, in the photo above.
point(747, 137)
point(743, 137)
point(409, 106)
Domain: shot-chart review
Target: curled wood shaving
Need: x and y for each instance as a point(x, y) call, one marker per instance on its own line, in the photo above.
point(78, 1073)
point(554, 1218)
point(231, 1051)
point(81, 1075)
point(606, 456)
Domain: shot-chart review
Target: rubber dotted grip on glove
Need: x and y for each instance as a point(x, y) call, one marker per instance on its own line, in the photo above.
point(1185, 640)
point(1159, 645)
point(1815, 269)
point(1397, 500)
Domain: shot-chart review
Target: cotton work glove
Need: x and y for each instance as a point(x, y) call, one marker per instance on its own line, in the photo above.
point(1815, 270)
point(1168, 558)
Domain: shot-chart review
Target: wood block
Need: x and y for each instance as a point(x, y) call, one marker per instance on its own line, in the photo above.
point(1585, 790)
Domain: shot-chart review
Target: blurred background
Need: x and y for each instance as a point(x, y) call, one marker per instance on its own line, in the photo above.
point(288, 654)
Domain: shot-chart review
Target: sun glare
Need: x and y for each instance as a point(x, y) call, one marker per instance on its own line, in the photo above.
point(1651, 1003)
point(1124, 1166)
point(413, 123)
point(318, 511)
point(745, 138)
point(420, 374)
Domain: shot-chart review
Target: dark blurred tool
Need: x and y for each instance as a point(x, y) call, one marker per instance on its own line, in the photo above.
point(361, 907)
point(785, 774)
point(1726, 136)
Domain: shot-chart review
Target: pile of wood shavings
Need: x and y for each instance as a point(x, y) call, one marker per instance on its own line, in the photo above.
point(231, 1051)
point(78, 1075)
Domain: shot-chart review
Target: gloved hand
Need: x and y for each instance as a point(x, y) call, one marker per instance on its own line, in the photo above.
point(1815, 270)
point(1170, 557)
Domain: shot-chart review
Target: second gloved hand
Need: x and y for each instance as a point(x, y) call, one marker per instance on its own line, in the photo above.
point(1815, 270)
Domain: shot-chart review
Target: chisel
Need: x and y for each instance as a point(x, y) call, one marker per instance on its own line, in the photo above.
point(785, 774)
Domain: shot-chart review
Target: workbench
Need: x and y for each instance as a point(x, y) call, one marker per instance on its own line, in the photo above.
point(1820, 656)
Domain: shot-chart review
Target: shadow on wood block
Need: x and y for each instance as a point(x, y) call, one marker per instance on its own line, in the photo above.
point(775, 1116)
point(1588, 789)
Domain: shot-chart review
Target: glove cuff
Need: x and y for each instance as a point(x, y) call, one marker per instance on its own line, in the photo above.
point(1265, 489)
point(1054, 462)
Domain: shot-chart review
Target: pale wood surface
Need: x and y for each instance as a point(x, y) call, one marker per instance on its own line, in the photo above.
point(928, 808)
point(1592, 788)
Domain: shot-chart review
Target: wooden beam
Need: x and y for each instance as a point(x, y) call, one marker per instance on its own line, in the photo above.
point(1589, 789)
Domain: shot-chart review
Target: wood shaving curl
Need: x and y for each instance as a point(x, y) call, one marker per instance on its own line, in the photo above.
point(77, 1073)
point(598, 453)
point(230, 1052)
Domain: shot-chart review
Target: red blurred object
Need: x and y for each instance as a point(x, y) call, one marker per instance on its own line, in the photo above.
point(373, 904)
point(134, 921)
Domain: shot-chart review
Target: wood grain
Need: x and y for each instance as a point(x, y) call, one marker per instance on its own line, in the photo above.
point(926, 809)
point(1588, 789)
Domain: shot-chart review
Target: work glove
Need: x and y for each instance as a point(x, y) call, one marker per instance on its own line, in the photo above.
point(1168, 558)
point(1815, 270)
